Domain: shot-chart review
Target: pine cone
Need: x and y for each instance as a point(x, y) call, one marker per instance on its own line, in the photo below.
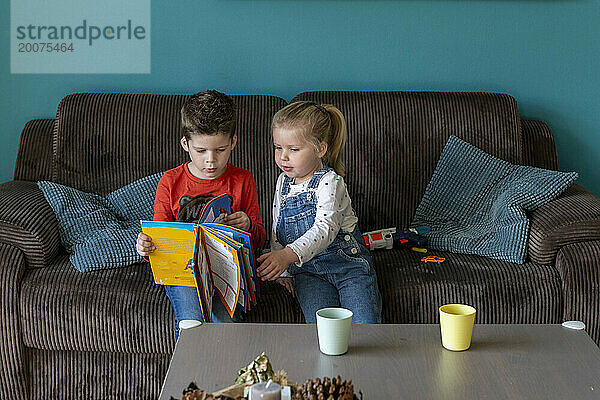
point(325, 389)
point(197, 394)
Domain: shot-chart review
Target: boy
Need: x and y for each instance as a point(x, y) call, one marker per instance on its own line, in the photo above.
point(208, 122)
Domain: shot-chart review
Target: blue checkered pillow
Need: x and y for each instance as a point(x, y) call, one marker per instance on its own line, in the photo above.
point(476, 203)
point(100, 232)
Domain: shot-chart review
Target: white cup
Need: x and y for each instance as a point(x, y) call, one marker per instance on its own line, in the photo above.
point(333, 329)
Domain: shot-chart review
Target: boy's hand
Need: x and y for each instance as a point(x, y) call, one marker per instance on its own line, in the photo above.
point(238, 220)
point(144, 245)
point(287, 283)
point(274, 263)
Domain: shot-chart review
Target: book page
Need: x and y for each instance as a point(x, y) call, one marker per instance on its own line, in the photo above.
point(249, 271)
point(204, 283)
point(228, 234)
point(172, 260)
point(224, 265)
point(248, 277)
point(222, 287)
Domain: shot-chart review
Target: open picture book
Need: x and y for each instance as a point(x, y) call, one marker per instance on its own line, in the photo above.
point(207, 255)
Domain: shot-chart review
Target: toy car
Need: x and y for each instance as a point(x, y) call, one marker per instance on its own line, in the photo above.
point(396, 238)
point(433, 259)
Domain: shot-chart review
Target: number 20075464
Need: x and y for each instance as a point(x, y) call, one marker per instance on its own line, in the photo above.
point(45, 47)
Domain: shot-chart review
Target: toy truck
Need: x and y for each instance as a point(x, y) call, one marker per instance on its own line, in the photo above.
point(395, 238)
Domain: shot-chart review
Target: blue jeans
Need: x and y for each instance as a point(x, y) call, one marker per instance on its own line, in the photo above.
point(339, 277)
point(186, 305)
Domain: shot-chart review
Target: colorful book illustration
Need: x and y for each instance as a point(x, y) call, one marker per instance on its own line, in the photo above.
point(206, 255)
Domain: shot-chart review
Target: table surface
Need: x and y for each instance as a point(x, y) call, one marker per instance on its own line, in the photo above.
point(399, 361)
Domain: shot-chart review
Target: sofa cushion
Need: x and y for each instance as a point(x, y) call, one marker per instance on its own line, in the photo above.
point(502, 292)
point(123, 310)
point(396, 138)
point(476, 203)
point(116, 310)
point(110, 310)
point(102, 141)
point(95, 375)
point(100, 232)
point(275, 305)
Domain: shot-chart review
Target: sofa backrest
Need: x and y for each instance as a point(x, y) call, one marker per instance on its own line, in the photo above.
point(395, 140)
point(105, 140)
point(34, 157)
point(102, 141)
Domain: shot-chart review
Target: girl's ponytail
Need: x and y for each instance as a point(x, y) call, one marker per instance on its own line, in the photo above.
point(317, 123)
point(337, 141)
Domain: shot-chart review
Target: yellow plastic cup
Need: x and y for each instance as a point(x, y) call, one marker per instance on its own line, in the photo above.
point(456, 324)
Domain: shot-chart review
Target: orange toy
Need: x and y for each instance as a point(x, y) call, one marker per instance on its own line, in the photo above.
point(433, 259)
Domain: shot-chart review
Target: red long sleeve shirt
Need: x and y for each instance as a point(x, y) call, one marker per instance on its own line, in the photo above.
point(179, 190)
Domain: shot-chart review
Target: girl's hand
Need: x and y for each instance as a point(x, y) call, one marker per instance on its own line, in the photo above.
point(238, 220)
point(274, 263)
point(144, 245)
point(287, 283)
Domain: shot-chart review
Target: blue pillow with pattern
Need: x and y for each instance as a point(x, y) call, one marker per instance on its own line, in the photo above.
point(100, 232)
point(476, 203)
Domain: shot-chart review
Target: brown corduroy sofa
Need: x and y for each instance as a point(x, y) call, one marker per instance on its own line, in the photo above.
point(108, 334)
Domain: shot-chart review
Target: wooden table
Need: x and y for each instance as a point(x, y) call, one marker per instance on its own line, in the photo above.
point(399, 361)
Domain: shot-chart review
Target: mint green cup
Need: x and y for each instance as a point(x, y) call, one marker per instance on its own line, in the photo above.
point(333, 329)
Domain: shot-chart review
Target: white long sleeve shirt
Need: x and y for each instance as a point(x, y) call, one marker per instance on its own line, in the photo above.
point(334, 212)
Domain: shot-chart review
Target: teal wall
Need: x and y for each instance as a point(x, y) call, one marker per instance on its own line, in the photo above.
point(544, 53)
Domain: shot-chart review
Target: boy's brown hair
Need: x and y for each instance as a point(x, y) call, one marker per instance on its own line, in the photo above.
point(208, 113)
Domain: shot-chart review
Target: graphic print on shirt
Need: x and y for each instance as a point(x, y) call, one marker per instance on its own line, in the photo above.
point(190, 207)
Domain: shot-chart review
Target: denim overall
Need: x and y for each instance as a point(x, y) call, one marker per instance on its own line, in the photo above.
point(342, 275)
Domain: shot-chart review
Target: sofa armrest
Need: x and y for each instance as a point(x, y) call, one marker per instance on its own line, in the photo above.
point(28, 223)
point(573, 217)
point(13, 374)
point(579, 270)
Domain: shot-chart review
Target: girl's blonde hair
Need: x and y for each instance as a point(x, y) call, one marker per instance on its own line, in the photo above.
point(317, 123)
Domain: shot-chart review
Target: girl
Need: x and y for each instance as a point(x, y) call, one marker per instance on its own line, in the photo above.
point(315, 235)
